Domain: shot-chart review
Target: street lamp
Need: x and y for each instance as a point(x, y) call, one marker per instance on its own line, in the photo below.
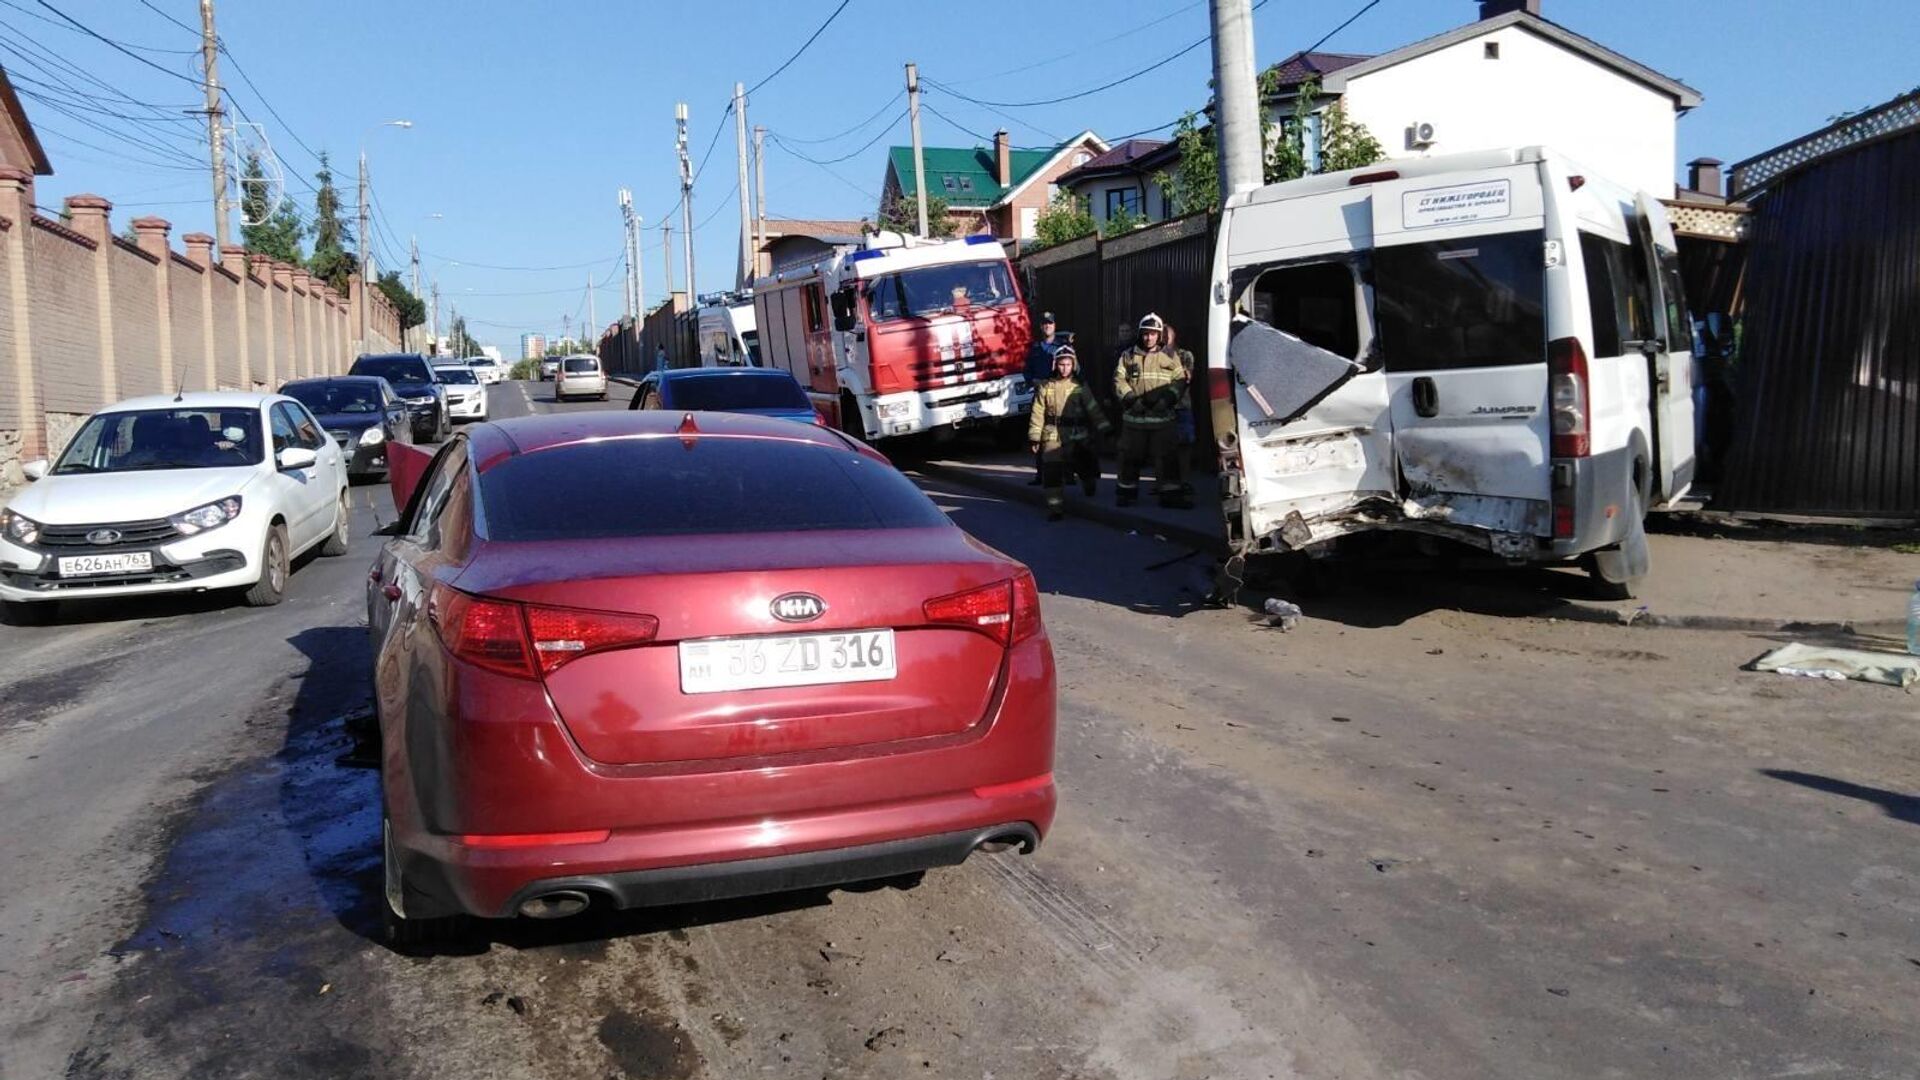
point(366, 241)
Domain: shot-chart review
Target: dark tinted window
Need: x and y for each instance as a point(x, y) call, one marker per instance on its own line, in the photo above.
point(661, 487)
point(1603, 292)
point(719, 393)
point(394, 369)
point(327, 398)
point(455, 376)
point(581, 364)
point(1474, 302)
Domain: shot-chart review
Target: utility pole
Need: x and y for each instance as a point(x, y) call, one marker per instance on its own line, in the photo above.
point(209, 54)
point(666, 252)
point(366, 256)
point(433, 317)
point(759, 194)
point(919, 157)
point(413, 246)
point(746, 207)
point(629, 224)
point(686, 196)
point(1236, 98)
point(593, 324)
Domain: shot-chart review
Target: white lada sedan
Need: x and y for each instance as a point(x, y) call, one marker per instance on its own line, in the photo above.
point(174, 494)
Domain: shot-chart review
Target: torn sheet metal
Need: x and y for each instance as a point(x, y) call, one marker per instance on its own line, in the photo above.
point(1283, 375)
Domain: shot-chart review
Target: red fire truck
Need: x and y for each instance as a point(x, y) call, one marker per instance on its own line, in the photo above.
point(900, 336)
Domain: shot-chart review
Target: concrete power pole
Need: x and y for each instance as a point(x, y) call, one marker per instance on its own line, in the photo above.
point(1236, 98)
point(746, 208)
point(209, 53)
point(686, 197)
point(433, 317)
point(759, 194)
point(592, 324)
point(633, 265)
point(919, 156)
point(666, 253)
point(366, 256)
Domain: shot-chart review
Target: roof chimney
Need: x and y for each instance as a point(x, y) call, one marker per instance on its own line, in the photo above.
point(1703, 175)
point(1493, 9)
point(1002, 158)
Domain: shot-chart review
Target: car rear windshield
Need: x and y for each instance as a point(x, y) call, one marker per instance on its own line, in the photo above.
point(721, 393)
point(717, 485)
point(581, 364)
point(455, 375)
point(394, 369)
point(326, 398)
point(1472, 302)
point(153, 439)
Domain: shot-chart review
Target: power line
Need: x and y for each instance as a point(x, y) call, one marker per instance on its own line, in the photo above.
point(830, 172)
point(62, 68)
point(151, 7)
point(111, 41)
point(803, 47)
point(857, 127)
point(526, 269)
point(271, 111)
point(1028, 124)
point(1350, 21)
point(883, 133)
point(718, 207)
point(1062, 57)
point(96, 35)
point(1146, 69)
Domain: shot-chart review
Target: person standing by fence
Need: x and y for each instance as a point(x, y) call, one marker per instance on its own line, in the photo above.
point(1039, 369)
point(1183, 418)
point(1060, 432)
point(1150, 383)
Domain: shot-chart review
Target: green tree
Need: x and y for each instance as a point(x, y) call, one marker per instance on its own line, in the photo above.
point(1065, 218)
point(459, 342)
point(276, 230)
point(902, 214)
point(1194, 183)
point(411, 309)
point(1122, 221)
point(333, 260)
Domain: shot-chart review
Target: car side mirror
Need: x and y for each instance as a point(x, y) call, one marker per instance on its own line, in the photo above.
point(297, 457)
point(35, 469)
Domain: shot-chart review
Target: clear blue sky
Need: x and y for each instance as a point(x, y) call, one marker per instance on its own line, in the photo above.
point(529, 116)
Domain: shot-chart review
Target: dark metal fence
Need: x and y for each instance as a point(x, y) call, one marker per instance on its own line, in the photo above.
point(1829, 406)
point(1099, 289)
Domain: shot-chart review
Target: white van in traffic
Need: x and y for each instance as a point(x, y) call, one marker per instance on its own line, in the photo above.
point(1489, 347)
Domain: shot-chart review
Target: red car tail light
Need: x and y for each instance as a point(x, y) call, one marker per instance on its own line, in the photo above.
point(1007, 611)
point(519, 840)
point(1567, 391)
point(1026, 607)
point(988, 609)
point(485, 633)
point(562, 634)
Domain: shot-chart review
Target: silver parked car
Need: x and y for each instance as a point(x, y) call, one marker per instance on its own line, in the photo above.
point(579, 376)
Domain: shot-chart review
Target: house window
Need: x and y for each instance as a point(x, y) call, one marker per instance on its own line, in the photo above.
point(1119, 199)
point(1491, 50)
point(947, 182)
point(966, 185)
point(1081, 158)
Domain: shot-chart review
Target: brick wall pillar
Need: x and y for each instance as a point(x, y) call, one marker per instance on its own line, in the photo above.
point(233, 258)
point(262, 269)
point(17, 371)
point(283, 322)
point(89, 217)
point(152, 238)
point(200, 254)
point(300, 292)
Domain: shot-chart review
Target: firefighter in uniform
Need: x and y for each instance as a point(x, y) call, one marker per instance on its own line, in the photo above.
point(1150, 383)
point(1060, 431)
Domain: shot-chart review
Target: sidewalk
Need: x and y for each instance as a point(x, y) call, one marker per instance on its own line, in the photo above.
point(1708, 573)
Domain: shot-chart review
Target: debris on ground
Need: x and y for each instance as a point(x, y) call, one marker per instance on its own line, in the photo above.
point(1823, 662)
point(1282, 613)
point(952, 956)
point(886, 1038)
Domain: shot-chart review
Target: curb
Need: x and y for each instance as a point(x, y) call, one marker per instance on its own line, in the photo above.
point(1112, 517)
point(1214, 544)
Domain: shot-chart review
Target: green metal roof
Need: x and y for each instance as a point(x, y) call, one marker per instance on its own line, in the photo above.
point(965, 178)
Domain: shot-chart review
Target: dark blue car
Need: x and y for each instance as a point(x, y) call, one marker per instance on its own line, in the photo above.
point(760, 391)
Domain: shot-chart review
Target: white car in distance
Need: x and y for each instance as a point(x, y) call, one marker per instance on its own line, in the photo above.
point(488, 370)
point(466, 395)
point(199, 491)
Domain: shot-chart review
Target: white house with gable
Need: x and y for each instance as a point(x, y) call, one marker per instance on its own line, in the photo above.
point(1513, 78)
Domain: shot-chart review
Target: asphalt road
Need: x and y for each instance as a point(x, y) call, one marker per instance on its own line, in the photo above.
point(1399, 841)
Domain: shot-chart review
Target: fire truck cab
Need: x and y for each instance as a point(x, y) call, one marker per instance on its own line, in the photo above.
point(901, 336)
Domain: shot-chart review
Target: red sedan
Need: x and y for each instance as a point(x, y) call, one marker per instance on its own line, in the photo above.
point(640, 658)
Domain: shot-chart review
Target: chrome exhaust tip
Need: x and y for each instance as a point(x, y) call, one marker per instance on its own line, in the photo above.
point(555, 905)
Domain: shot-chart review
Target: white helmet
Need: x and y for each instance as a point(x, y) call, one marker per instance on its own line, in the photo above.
point(1150, 321)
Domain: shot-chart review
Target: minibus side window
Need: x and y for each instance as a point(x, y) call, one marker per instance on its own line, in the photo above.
point(1314, 302)
point(1478, 301)
point(1603, 294)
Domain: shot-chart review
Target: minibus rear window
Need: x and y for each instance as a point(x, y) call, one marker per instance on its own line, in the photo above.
point(1465, 303)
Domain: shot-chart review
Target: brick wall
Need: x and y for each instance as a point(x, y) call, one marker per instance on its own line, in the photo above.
point(88, 319)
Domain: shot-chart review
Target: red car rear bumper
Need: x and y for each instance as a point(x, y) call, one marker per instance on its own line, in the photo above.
point(498, 805)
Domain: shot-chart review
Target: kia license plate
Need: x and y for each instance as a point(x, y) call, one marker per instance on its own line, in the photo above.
point(131, 562)
point(760, 663)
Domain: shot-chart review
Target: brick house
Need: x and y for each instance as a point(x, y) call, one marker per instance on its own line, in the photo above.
point(1001, 190)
